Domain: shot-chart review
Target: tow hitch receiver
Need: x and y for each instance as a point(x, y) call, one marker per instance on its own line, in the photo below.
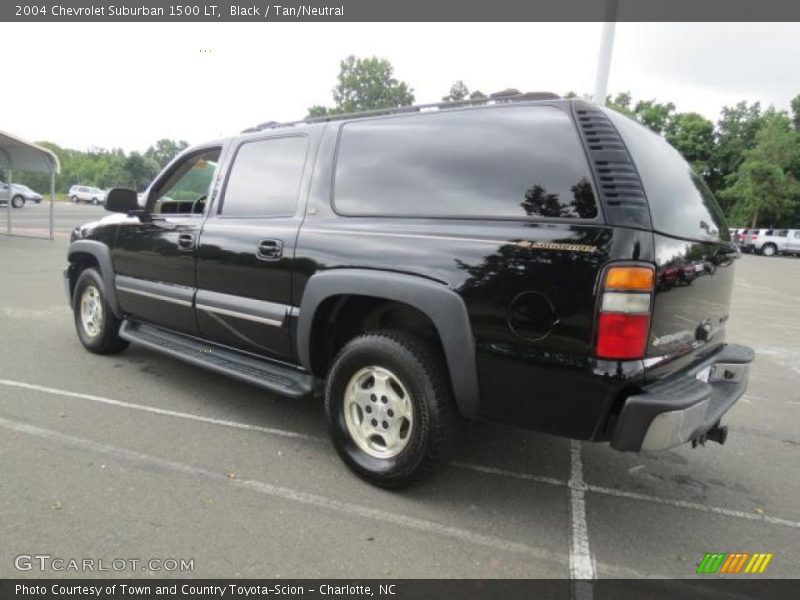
point(718, 433)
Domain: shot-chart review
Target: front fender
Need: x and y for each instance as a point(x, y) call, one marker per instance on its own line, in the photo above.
point(442, 306)
point(102, 255)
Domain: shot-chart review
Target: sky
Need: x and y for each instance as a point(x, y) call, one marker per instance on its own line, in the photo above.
point(126, 85)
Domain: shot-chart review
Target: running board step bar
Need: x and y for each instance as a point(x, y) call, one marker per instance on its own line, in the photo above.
point(270, 376)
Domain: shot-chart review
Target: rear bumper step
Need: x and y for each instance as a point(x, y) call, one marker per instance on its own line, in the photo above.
point(270, 376)
point(686, 407)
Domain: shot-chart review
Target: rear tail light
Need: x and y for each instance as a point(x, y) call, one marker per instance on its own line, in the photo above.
point(623, 322)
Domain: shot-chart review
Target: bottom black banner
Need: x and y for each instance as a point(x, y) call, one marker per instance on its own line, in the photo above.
point(402, 589)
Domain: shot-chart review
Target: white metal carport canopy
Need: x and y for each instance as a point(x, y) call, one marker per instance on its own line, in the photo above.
point(18, 155)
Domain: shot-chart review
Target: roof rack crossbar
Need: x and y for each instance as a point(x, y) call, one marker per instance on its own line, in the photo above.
point(399, 110)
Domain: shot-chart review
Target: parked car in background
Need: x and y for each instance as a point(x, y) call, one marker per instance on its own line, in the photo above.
point(792, 242)
point(85, 193)
point(751, 238)
point(20, 194)
point(740, 237)
point(771, 242)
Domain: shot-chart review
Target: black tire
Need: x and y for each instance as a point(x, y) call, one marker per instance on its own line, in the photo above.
point(18, 201)
point(769, 250)
point(95, 201)
point(421, 371)
point(74, 199)
point(105, 339)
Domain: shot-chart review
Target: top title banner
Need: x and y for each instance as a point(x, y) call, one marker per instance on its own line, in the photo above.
point(407, 10)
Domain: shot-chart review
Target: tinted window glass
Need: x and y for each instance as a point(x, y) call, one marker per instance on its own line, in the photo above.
point(185, 189)
point(680, 202)
point(510, 162)
point(265, 178)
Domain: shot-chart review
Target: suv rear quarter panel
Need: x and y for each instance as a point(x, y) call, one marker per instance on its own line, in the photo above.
point(529, 287)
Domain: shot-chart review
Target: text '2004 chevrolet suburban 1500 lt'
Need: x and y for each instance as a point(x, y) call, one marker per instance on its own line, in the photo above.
point(528, 260)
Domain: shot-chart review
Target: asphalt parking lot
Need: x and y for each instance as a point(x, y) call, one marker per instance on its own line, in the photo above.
point(141, 456)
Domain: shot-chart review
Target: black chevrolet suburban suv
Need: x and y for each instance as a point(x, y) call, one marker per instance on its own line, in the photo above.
point(529, 260)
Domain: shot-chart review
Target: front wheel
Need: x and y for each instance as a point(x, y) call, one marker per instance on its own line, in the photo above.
point(74, 199)
point(95, 201)
point(391, 414)
point(97, 326)
point(18, 202)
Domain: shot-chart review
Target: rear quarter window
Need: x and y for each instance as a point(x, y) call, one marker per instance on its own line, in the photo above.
point(494, 163)
point(681, 204)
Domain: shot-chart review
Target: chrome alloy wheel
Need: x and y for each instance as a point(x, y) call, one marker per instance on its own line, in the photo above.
point(91, 311)
point(378, 412)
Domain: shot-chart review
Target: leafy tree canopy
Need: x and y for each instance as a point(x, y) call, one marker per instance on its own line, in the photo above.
point(365, 84)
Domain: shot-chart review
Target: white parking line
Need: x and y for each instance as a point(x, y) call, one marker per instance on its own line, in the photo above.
point(292, 495)
point(472, 467)
point(158, 411)
point(606, 491)
point(581, 563)
point(512, 474)
point(693, 506)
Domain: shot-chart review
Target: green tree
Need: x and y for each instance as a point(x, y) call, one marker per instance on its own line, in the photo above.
point(736, 133)
point(621, 103)
point(796, 112)
point(693, 136)
point(141, 169)
point(654, 115)
point(165, 150)
point(318, 111)
point(763, 189)
point(458, 91)
point(366, 84)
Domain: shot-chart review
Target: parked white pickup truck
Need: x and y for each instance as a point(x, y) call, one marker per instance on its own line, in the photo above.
point(777, 241)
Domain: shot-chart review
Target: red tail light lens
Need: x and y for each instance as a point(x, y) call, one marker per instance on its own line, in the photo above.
point(622, 336)
point(624, 318)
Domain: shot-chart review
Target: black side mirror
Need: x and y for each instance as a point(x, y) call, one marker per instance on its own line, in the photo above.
point(122, 200)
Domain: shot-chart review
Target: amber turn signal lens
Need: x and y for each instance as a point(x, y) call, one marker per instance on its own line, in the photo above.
point(629, 278)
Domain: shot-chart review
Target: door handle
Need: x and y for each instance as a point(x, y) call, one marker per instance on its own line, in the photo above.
point(269, 249)
point(186, 241)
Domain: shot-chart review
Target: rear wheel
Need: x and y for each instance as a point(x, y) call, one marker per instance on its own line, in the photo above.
point(74, 199)
point(390, 412)
point(97, 326)
point(769, 250)
point(18, 201)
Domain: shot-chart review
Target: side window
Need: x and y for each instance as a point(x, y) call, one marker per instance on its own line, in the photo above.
point(185, 189)
point(264, 180)
point(495, 163)
point(797, 234)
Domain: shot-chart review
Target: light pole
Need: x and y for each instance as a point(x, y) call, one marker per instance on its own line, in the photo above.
point(604, 56)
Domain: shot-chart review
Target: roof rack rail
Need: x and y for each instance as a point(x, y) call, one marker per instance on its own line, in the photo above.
point(509, 95)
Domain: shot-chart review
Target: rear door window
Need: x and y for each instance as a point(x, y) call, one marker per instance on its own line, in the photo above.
point(493, 163)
